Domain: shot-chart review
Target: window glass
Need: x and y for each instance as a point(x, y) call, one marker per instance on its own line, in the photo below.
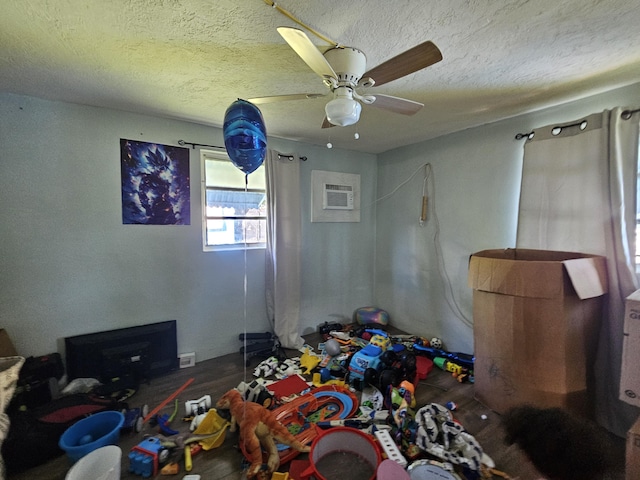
point(234, 213)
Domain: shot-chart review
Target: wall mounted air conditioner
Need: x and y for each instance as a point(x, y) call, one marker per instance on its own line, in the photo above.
point(337, 197)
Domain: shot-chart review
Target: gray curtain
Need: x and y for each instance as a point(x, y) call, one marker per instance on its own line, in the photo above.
point(579, 194)
point(283, 248)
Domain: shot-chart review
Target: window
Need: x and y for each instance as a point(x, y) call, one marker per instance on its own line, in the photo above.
point(234, 214)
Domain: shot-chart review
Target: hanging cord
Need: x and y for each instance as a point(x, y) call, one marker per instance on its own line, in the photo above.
point(392, 192)
point(290, 16)
point(442, 270)
point(451, 298)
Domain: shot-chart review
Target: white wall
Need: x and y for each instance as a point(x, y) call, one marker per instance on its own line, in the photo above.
point(69, 266)
point(421, 272)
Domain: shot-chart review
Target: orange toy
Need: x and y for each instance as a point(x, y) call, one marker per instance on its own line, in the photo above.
point(258, 428)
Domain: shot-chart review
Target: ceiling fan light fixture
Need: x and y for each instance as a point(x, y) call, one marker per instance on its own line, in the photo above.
point(343, 110)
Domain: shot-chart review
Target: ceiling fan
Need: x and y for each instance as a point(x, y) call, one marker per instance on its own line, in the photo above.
point(344, 70)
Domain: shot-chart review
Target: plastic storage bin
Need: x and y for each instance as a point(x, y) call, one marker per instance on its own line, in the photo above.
point(91, 433)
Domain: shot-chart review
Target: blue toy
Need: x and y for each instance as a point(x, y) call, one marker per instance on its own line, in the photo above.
point(364, 359)
point(145, 457)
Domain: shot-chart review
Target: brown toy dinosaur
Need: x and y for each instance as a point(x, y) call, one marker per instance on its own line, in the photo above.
point(258, 428)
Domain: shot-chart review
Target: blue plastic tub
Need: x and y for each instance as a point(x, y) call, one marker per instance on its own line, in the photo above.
point(88, 434)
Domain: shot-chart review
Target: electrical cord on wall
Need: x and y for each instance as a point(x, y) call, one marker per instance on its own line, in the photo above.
point(449, 295)
point(451, 299)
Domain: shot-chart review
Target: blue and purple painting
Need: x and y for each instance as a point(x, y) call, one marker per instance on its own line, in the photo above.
point(155, 184)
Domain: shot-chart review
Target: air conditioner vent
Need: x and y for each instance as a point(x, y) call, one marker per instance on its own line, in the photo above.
point(337, 197)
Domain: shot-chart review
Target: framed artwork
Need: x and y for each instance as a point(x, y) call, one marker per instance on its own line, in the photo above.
point(155, 184)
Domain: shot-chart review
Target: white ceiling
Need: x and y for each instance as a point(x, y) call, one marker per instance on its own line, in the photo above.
point(190, 59)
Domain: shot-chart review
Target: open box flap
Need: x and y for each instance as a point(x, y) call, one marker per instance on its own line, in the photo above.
point(588, 279)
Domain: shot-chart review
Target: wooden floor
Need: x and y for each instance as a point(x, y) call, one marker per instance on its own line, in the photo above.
point(214, 377)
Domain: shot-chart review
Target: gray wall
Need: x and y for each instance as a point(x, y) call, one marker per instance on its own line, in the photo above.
point(69, 266)
point(421, 271)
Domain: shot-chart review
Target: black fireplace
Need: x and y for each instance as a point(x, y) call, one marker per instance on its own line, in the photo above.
point(142, 352)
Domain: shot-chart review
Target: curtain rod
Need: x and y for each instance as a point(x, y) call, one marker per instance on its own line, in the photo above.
point(520, 136)
point(291, 157)
point(625, 115)
point(194, 145)
point(555, 130)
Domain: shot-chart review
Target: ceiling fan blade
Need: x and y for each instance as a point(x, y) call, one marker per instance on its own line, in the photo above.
point(282, 98)
point(396, 104)
point(301, 44)
point(414, 59)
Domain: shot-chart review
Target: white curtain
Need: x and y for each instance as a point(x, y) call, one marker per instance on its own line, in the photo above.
point(579, 194)
point(283, 247)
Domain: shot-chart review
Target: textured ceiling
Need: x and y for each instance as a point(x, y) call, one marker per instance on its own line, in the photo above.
point(190, 59)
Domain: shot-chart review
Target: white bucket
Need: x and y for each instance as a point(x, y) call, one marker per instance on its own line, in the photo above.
point(100, 464)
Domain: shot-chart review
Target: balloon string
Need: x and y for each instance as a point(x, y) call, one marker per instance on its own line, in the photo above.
point(244, 229)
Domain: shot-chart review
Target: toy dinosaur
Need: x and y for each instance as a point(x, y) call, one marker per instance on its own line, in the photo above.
point(258, 428)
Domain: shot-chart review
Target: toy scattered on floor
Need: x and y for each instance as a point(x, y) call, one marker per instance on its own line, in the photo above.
point(213, 429)
point(291, 366)
point(436, 342)
point(167, 400)
point(464, 359)
point(164, 421)
point(364, 360)
point(133, 418)
point(326, 328)
point(380, 338)
point(371, 315)
point(145, 458)
point(332, 347)
point(458, 372)
point(258, 428)
point(309, 361)
point(267, 367)
point(344, 336)
point(197, 407)
point(257, 392)
point(402, 399)
point(439, 435)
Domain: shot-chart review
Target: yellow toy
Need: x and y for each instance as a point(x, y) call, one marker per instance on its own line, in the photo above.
point(309, 361)
point(214, 425)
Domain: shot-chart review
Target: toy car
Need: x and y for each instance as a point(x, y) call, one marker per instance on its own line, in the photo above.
point(134, 418)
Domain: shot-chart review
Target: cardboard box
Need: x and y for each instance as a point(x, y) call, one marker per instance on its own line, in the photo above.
point(536, 317)
point(6, 346)
point(629, 378)
point(632, 465)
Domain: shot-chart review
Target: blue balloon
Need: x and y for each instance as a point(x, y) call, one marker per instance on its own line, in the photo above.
point(245, 136)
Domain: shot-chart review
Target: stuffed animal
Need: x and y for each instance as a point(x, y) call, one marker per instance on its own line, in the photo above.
point(258, 428)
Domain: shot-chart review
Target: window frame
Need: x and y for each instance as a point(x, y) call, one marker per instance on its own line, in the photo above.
point(213, 155)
